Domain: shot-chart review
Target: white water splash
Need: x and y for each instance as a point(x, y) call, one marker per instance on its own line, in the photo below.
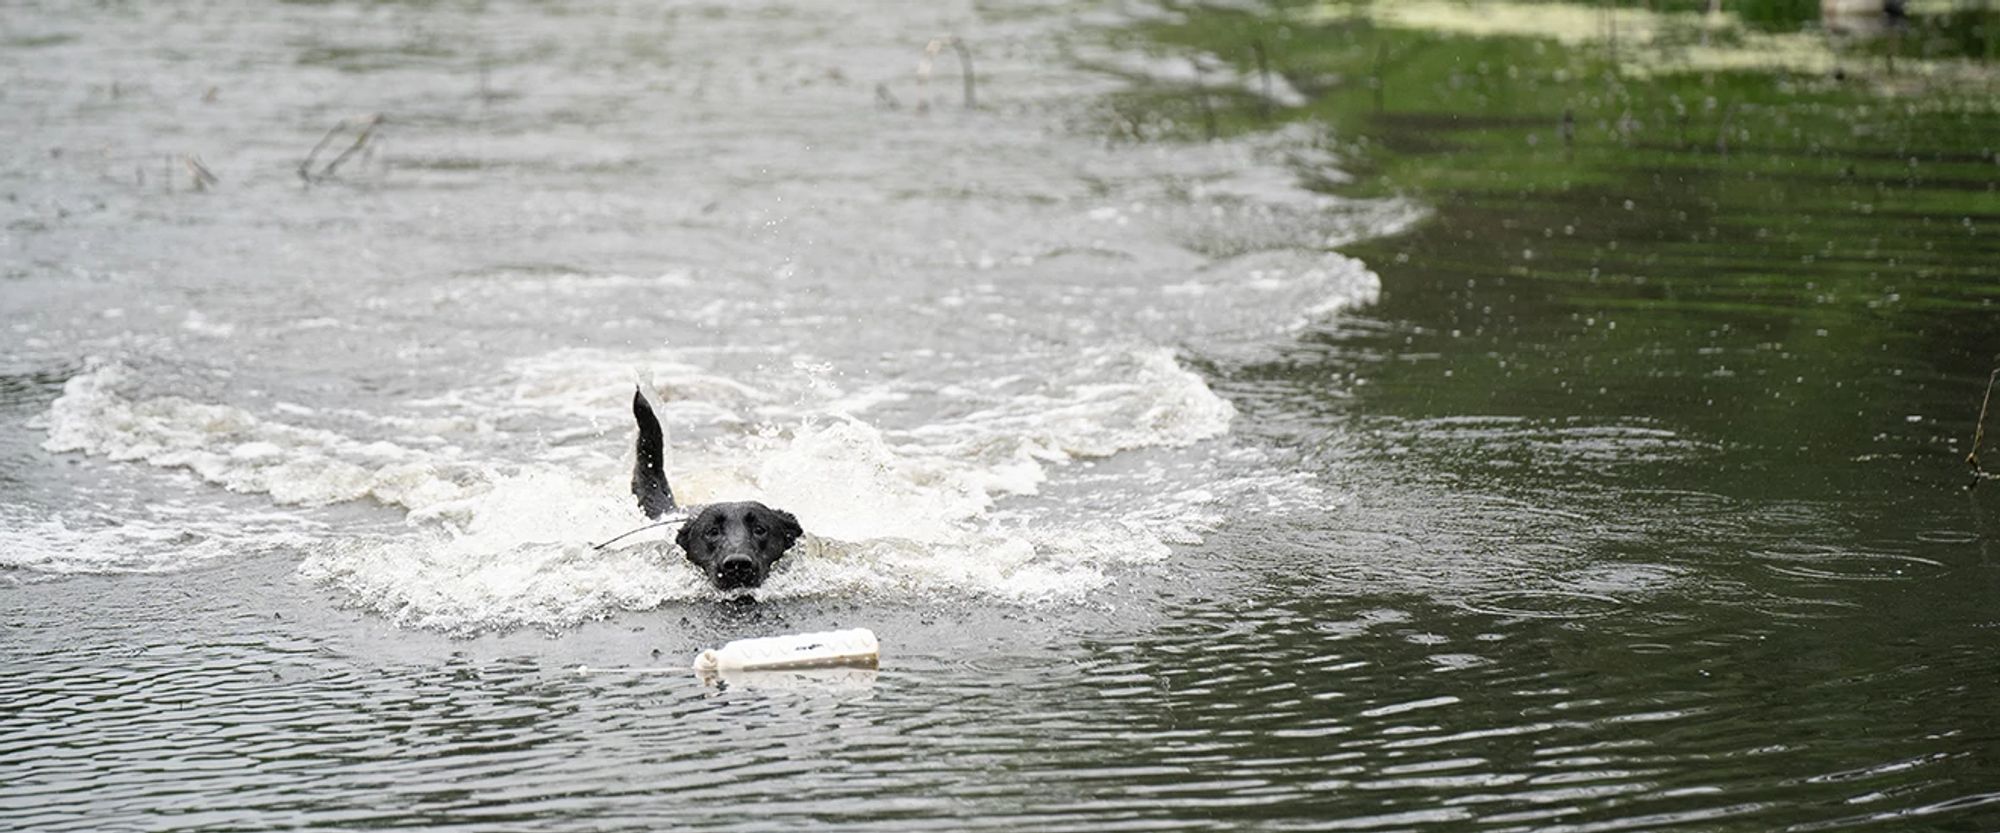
point(241, 452)
point(495, 543)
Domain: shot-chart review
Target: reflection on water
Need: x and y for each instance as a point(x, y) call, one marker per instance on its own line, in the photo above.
point(1275, 709)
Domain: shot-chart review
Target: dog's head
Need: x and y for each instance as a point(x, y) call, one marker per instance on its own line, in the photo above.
point(736, 543)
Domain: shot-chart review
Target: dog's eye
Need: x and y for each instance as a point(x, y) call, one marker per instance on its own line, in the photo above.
point(757, 530)
point(713, 533)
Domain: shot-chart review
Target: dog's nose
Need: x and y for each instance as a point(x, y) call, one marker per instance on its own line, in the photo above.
point(737, 571)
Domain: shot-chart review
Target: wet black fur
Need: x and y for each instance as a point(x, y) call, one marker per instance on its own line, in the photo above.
point(734, 544)
point(649, 474)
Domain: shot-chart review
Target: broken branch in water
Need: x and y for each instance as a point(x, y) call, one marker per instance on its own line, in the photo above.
point(1377, 81)
point(1201, 99)
point(1133, 122)
point(1567, 130)
point(202, 176)
point(305, 165)
point(1263, 72)
point(367, 131)
point(1979, 432)
point(931, 51)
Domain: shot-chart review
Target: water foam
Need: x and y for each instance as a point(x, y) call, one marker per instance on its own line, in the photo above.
point(517, 554)
point(1096, 405)
point(177, 537)
point(906, 513)
point(902, 514)
point(242, 452)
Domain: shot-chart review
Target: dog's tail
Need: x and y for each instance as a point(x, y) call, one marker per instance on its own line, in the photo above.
point(649, 472)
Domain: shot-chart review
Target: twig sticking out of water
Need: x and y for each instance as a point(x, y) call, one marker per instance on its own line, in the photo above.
point(366, 126)
point(361, 141)
point(1263, 72)
point(1201, 99)
point(203, 178)
point(965, 75)
point(305, 165)
point(1722, 133)
point(1133, 122)
point(1979, 432)
point(1377, 81)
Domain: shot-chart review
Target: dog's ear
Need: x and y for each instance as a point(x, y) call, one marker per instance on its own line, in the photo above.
point(685, 538)
point(787, 527)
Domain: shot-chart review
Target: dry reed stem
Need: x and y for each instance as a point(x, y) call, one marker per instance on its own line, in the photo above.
point(1264, 73)
point(1979, 430)
point(1201, 99)
point(202, 177)
point(367, 132)
point(965, 73)
point(367, 124)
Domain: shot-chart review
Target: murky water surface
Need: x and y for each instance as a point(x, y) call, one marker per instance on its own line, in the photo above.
point(1169, 514)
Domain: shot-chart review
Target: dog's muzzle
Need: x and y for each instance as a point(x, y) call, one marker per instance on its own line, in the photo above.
point(738, 571)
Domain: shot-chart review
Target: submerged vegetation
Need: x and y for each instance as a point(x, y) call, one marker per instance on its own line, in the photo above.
point(1748, 227)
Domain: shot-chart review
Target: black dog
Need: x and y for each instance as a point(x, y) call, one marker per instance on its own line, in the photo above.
point(734, 543)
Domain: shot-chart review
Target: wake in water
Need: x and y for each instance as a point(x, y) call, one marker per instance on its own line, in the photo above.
point(499, 543)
